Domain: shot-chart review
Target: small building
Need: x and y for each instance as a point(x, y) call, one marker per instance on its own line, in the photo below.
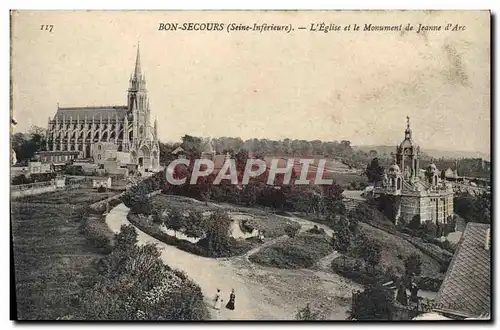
point(37, 167)
point(208, 151)
point(466, 289)
point(60, 182)
point(101, 182)
point(179, 152)
point(57, 156)
point(450, 174)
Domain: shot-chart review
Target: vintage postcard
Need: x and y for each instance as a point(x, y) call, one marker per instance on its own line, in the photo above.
point(251, 165)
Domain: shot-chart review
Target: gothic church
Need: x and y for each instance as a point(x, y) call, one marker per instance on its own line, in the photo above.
point(125, 131)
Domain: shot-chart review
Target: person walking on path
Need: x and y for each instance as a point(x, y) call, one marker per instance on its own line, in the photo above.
point(218, 300)
point(230, 303)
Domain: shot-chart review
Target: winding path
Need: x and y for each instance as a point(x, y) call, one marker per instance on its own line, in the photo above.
point(262, 293)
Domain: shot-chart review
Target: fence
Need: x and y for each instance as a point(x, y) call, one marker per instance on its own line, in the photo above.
point(37, 188)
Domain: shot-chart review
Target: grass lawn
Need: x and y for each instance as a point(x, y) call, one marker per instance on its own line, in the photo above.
point(50, 257)
point(395, 249)
point(250, 218)
point(345, 179)
point(301, 251)
point(78, 196)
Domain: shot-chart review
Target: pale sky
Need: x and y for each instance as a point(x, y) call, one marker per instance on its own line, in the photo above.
point(356, 86)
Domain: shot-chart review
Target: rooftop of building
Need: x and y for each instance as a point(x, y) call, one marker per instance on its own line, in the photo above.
point(111, 111)
point(466, 288)
point(57, 152)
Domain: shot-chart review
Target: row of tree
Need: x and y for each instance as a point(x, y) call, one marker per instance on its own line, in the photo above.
point(263, 147)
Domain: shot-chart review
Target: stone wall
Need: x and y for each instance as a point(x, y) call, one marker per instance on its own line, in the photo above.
point(410, 207)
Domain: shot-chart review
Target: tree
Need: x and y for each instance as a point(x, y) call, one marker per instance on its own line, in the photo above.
point(25, 145)
point(307, 314)
point(473, 208)
point(371, 253)
point(342, 235)
point(413, 264)
point(192, 144)
point(195, 224)
point(174, 220)
point(126, 238)
point(374, 172)
point(374, 303)
point(217, 233)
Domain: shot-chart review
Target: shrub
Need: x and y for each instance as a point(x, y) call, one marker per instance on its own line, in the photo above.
point(375, 303)
point(97, 232)
point(429, 283)
point(292, 231)
point(101, 189)
point(413, 264)
point(307, 314)
point(20, 179)
point(316, 230)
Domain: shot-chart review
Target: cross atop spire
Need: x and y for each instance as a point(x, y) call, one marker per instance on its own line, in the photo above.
point(408, 129)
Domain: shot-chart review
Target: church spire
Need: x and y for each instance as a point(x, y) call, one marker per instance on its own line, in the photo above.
point(137, 69)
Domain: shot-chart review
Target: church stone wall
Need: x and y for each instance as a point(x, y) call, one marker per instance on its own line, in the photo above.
point(409, 208)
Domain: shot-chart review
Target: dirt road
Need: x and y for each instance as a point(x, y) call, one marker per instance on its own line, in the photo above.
point(262, 293)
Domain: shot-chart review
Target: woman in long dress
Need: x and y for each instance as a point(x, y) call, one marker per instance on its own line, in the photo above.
point(230, 303)
point(218, 300)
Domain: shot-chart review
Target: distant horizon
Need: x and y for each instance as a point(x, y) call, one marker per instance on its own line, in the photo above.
point(338, 140)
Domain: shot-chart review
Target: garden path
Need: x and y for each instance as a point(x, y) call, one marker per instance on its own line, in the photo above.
point(262, 293)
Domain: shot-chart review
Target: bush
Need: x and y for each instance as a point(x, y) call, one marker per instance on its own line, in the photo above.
point(316, 230)
point(20, 179)
point(429, 283)
point(97, 232)
point(307, 314)
point(292, 231)
point(413, 264)
point(101, 189)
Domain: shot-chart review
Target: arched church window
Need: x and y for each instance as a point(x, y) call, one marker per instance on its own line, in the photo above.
point(99, 157)
point(99, 147)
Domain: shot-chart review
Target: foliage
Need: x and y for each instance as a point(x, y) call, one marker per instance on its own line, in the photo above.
point(413, 264)
point(127, 237)
point(97, 232)
point(25, 145)
point(132, 283)
point(217, 233)
point(342, 235)
point(316, 230)
point(101, 189)
point(20, 179)
point(370, 252)
point(308, 314)
point(292, 231)
point(473, 208)
point(366, 213)
point(374, 171)
point(374, 303)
